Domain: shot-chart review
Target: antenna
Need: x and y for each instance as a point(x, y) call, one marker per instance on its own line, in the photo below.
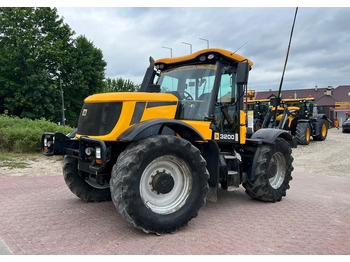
point(285, 62)
point(284, 68)
point(239, 48)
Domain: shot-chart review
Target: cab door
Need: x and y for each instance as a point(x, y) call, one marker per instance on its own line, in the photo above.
point(227, 108)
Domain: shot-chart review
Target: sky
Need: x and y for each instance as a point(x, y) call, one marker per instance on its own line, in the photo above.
point(128, 36)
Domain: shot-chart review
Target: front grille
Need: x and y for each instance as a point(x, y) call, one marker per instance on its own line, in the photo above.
point(98, 119)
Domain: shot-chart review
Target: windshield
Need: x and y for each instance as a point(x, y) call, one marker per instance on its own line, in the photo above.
point(193, 86)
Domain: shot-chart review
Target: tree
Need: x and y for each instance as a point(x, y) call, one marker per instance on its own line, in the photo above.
point(33, 42)
point(38, 56)
point(86, 76)
point(120, 85)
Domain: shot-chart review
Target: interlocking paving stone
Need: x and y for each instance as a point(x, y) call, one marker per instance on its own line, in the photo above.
point(39, 215)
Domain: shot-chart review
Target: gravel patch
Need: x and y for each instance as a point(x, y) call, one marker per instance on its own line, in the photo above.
point(330, 157)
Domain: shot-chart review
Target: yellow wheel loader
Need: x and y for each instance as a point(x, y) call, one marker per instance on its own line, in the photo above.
point(157, 153)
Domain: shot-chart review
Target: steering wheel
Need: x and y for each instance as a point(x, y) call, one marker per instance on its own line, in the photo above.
point(188, 96)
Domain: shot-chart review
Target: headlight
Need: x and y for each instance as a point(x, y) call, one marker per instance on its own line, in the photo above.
point(98, 153)
point(89, 151)
point(211, 56)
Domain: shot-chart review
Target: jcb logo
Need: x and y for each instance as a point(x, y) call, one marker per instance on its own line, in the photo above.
point(216, 136)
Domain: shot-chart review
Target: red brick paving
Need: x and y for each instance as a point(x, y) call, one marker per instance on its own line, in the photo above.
point(39, 215)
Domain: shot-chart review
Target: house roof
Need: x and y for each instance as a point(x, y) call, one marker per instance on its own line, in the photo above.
point(339, 94)
point(342, 93)
point(300, 93)
point(325, 100)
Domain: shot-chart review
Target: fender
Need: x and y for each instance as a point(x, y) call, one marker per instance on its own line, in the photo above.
point(159, 126)
point(269, 135)
point(303, 121)
point(320, 116)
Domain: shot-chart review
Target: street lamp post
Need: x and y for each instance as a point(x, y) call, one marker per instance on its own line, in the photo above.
point(206, 41)
point(189, 45)
point(63, 116)
point(171, 50)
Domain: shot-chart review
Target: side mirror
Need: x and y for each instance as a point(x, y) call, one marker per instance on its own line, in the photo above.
point(153, 88)
point(242, 73)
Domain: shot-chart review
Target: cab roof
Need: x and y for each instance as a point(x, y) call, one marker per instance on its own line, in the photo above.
point(224, 54)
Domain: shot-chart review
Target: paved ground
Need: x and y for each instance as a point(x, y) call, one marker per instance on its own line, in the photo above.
point(39, 215)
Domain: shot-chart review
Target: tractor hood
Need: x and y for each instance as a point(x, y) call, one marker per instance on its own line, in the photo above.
point(106, 116)
point(131, 96)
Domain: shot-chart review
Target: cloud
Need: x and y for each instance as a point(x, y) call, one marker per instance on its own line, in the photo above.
point(319, 53)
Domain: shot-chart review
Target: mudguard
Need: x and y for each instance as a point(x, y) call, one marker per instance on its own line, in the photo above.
point(320, 116)
point(269, 135)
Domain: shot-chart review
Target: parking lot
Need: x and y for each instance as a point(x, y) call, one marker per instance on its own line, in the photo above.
point(39, 215)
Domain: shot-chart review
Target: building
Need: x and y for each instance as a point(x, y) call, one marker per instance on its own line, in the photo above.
point(334, 102)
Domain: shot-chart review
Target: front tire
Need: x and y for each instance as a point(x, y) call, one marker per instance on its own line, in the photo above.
point(321, 125)
point(87, 189)
point(159, 183)
point(272, 173)
point(303, 133)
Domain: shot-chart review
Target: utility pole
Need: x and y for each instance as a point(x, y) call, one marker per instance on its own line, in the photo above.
point(189, 45)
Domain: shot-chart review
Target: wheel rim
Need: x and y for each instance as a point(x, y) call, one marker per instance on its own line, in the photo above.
point(277, 170)
point(308, 134)
point(324, 130)
point(165, 184)
point(95, 182)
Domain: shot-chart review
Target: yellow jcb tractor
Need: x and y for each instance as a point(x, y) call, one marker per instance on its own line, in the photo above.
point(157, 152)
point(297, 117)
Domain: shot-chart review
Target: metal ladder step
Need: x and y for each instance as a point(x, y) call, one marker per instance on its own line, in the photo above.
point(232, 187)
point(229, 156)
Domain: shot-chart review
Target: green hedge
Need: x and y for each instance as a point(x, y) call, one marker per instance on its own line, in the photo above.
point(24, 135)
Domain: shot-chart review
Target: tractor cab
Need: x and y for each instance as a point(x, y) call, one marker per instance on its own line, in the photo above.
point(209, 85)
point(303, 107)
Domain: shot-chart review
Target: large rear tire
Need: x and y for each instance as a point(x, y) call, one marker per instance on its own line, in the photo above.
point(272, 173)
point(321, 125)
point(159, 183)
point(88, 188)
point(303, 133)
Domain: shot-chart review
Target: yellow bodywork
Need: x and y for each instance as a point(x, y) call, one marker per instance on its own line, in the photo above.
point(279, 117)
point(150, 112)
point(203, 127)
point(242, 127)
point(129, 102)
point(298, 99)
point(293, 108)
